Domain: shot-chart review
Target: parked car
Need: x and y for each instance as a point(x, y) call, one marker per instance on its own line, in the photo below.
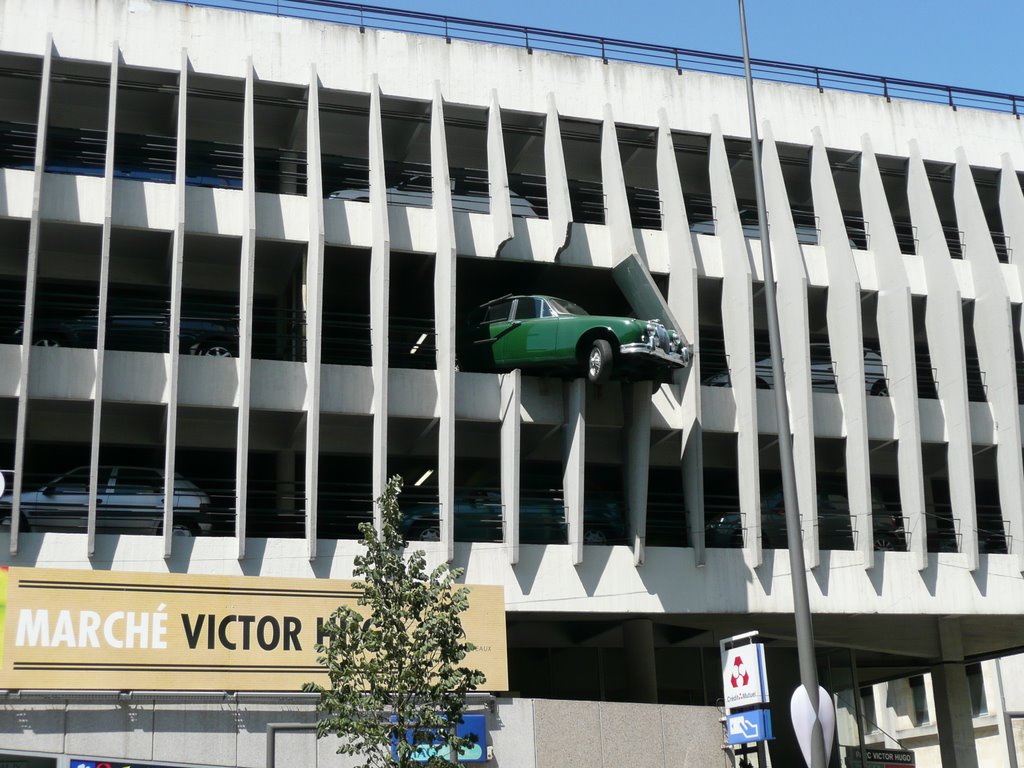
point(835, 525)
point(138, 332)
point(823, 373)
point(548, 333)
point(128, 499)
point(479, 517)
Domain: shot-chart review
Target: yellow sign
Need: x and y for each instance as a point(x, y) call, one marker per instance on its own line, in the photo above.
point(146, 631)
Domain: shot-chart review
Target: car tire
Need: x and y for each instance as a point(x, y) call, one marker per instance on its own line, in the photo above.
point(215, 349)
point(599, 362)
point(184, 529)
point(885, 544)
point(47, 341)
point(594, 536)
point(880, 388)
point(430, 533)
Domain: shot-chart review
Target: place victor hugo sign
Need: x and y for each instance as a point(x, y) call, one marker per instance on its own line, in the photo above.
point(146, 631)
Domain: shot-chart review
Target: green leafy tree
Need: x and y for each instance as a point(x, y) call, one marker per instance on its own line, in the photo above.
point(395, 666)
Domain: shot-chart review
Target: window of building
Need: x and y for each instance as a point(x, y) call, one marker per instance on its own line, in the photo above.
point(868, 715)
point(976, 688)
point(919, 700)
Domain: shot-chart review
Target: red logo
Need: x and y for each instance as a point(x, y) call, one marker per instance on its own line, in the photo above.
point(740, 676)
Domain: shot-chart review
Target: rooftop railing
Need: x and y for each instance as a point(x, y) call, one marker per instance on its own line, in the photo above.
point(610, 48)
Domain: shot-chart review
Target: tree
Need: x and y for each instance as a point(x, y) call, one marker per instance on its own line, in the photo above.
point(395, 666)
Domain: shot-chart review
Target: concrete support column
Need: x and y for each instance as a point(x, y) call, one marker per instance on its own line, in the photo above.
point(559, 209)
point(380, 290)
point(444, 323)
point(738, 330)
point(794, 330)
point(641, 670)
point(574, 463)
point(682, 300)
point(31, 273)
point(246, 278)
point(846, 341)
point(497, 177)
point(895, 323)
point(618, 223)
point(944, 323)
point(993, 332)
point(636, 407)
point(177, 268)
point(314, 305)
point(104, 291)
point(511, 429)
point(953, 716)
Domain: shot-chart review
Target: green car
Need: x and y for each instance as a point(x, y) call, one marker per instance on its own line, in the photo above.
point(547, 333)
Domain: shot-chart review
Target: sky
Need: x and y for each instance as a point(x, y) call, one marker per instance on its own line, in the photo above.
point(966, 43)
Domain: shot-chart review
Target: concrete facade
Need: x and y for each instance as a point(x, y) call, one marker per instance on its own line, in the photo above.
point(901, 324)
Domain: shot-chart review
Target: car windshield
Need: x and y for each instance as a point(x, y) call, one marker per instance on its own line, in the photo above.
point(563, 307)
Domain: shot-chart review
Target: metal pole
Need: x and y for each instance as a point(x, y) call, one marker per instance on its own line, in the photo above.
point(798, 570)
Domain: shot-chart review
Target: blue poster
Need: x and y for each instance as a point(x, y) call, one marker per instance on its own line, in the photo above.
point(470, 727)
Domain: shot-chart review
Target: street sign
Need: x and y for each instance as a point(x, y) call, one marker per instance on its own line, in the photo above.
point(749, 726)
point(880, 758)
point(743, 676)
point(803, 717)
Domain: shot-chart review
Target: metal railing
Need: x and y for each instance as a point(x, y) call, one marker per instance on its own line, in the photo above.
point(610, 48)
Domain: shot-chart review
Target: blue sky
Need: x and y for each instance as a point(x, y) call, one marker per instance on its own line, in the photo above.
point(969, 43)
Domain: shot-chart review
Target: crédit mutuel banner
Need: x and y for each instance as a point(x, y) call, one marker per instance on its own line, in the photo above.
point(146, 631)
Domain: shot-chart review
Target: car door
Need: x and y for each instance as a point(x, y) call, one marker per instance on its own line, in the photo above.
point(136, 501)
point(497, 323)
point(63, 503)
point(532, 337)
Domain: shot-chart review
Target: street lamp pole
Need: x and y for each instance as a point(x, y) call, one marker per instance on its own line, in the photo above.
point(798, 569)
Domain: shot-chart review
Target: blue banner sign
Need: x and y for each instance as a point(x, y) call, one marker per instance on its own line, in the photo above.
point(748, 727)
point(470, 727)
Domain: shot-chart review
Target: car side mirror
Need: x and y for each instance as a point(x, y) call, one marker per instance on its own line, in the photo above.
point(49, 490)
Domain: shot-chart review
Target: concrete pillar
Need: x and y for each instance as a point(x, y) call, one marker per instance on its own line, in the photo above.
point(993, 332)
point(497, 177)
point(574, 463)
point(380, 290)
point(953, 700)
point(641, 670)
point(618, 223)
point(944, 324)
point(738, 330)
point(794, 329)
point(444, 322)
point(104, 291)
point(511, 428)
point(246, 278)
point(895, 323)
point(846, 341)
point(31, 272)
point(177, 267)
point(559, 209)
point(682, 300)
point(636, 407)
point(314, 308)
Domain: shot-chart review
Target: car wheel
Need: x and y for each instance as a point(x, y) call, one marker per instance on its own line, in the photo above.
point(880, 388)
point(884, 544)
point(47, 341)
point(594, 536)
point(215, 349)
point(599, 362)
point(183, 529)
point(430, 534)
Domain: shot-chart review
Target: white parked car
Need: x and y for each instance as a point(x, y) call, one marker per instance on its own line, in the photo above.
point(128, 500)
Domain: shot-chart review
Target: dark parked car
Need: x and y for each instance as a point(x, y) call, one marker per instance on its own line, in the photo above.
point(834, 523)
point(129, 500)
point(478, 517)
point(139, 332)
point(547, 333)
